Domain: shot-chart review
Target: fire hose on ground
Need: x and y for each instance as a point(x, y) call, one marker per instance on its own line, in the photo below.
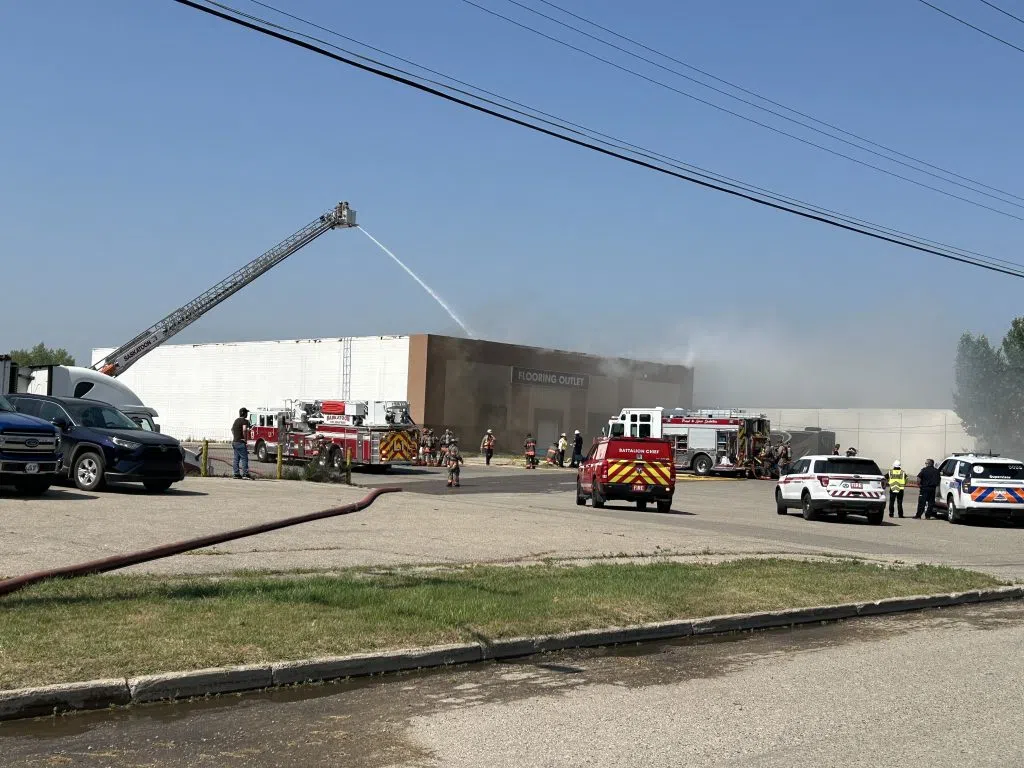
point(167, 550)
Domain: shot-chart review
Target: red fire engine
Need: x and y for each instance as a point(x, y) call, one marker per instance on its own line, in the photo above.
point(376, 433)
point(719, 441)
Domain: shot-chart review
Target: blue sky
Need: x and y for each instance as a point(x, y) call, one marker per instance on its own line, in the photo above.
point(148, 150)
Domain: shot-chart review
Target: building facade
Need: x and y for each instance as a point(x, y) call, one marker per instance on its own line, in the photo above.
point(464, 384)
point(884, 434)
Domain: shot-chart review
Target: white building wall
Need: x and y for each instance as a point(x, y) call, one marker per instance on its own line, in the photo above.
point(198, 388)
point(884, 434)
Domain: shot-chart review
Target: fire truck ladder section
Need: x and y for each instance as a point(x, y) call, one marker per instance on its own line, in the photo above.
point(122, 358)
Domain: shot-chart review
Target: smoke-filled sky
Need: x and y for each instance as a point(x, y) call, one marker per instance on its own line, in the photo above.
point(148, 150)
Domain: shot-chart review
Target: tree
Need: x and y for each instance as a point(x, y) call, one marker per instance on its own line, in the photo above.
point(41, 354)
point(989, 395)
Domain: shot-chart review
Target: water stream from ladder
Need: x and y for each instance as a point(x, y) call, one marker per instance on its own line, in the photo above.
point(423, 285)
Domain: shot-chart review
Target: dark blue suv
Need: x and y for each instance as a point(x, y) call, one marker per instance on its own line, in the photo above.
point(101, 444)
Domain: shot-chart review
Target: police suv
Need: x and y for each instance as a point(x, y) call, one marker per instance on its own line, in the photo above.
point(973, 485)
point(840, 484)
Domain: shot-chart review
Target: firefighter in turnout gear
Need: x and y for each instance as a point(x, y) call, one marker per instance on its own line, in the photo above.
point(530, 451)
point(487, 446)
point(452, 460)
point(897, 480)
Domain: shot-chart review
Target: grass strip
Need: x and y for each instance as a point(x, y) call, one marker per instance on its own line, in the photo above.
point(126, 625)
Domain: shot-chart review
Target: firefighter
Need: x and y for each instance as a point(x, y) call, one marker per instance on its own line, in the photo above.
point(433, 460)
point(424, 453)
point(446, 440)
point(530, 451)
point(897, 480)
point(487, 446)
point(851, 452)
point(452, 460)
point(563, 444)
point(835, 451)
point(577, 449)
point(785, 456)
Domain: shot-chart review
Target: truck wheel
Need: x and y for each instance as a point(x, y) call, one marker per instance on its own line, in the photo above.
point(157, 486)
point(87, 471)
point(702, 465)
point(596, 499)
point(323, 457)
point(261, 452)
point(780, 508)
point(952, 513)
point(664, 505)
point(841, 516)
point(641, 505)
point(337, 458)
point(805, 506)
point(32, 486)
point(875, 518)
point(581, 500)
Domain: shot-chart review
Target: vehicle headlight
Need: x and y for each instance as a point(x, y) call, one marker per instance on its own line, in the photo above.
point(56, 445)
point(131, 445)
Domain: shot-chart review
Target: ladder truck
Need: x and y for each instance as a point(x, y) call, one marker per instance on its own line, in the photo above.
point(129, 353)
point(99, 382)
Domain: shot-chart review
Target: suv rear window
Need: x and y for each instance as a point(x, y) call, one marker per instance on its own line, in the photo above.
point(847, 466)
point(996, 471)
point(649, 450)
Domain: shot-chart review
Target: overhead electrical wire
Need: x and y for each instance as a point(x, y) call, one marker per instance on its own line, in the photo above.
point(1002, 11)
point(560, 122)
point(1001, 197)
point(747, 118)
point(917, 245)
point(972, 26)
point(762, 97)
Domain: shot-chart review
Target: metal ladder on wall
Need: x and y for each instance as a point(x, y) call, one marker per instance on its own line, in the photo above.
point(346, 368)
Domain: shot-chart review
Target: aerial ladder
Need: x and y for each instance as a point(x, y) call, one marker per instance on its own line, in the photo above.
point(125, 356)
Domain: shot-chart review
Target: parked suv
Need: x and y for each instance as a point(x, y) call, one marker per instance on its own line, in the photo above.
point(29, 451)
point(102, 445)
point(637, 469)
point(840, 484)
point(981, 486)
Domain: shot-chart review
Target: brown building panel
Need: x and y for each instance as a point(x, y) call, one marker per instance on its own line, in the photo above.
point(469, 386)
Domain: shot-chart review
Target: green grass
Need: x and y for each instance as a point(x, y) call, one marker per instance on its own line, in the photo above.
point(126, 625)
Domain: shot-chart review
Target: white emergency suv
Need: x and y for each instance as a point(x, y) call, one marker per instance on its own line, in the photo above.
point(840, 484)
point(972, 485)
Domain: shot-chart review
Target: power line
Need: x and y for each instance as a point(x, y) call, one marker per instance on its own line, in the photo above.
point(774, 112)
point(968, 24)
point(593, 147)
point(766, 99)
point(1002, 11)
point(581, 130)
point(746, 118)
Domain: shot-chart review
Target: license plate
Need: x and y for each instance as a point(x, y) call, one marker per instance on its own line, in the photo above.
point(31, 469)
point(856, 485)
point(639, 487)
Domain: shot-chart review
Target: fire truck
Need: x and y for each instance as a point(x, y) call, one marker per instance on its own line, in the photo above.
point(375, 433)
point(704, 441)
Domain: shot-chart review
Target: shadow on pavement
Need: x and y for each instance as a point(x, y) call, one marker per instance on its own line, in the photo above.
point(52, 494)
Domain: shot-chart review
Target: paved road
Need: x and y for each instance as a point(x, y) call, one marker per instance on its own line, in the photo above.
point(522, 515)
point(931, 689)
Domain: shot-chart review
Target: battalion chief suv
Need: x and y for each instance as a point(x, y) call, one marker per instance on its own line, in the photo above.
point(638, 469)
point(840, 484)
point(101, 444)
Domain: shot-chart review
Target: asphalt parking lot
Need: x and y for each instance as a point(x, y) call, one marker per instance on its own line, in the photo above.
point(500, 514)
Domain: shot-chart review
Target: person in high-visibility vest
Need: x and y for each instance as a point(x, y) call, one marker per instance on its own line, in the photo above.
point(897, 480)
point(487, 446)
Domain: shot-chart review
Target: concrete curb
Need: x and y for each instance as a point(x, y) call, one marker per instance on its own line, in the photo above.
point(97, 694)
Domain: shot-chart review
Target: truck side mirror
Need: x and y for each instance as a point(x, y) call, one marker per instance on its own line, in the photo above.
point(61, 423)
